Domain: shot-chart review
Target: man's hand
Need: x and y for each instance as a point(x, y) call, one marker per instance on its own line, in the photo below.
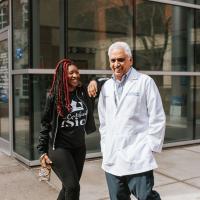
point(92, 88)
point(45, 161)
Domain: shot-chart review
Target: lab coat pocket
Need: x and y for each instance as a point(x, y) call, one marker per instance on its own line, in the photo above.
point(133, 102)
point(138, 152)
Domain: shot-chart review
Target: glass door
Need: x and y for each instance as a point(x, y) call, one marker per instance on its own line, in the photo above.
point(4, 93)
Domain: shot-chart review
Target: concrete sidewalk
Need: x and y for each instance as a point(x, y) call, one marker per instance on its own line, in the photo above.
point(177, 178)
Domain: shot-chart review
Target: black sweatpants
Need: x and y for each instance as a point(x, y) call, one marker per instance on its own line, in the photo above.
point(68, 166)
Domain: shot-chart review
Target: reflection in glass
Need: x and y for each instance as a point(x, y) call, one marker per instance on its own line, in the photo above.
point(93, 25)
point(21, 34)
point(164, 37)
point(46, 38)
point(41, 86)
point(4, 14)
point(22, 136)
point(177, 97)
point(4, 88)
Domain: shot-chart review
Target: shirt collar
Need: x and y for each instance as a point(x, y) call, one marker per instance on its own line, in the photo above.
point(125, 76)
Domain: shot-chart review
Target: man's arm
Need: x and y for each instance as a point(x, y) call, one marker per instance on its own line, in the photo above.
point(157, 117)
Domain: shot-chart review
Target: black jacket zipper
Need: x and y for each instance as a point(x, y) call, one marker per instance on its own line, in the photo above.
point(55, 132)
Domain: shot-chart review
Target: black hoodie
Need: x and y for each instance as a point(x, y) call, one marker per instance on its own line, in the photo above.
point(49, 122)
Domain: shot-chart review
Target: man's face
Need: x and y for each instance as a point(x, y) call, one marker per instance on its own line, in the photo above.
point(120, 63)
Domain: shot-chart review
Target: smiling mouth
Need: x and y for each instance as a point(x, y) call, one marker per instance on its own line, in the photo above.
point(74, 81)
point(117, 70)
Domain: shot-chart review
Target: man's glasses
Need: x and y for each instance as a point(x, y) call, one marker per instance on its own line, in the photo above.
point(121, 60)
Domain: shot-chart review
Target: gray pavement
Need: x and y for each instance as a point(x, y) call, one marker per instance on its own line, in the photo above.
point(177, 178)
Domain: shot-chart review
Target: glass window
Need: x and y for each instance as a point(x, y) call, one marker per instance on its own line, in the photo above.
point(41, 86)
point(21, 41)
point(164, 37)
point(4, 14)
point(197, 40)
point(93, 25)
point(23, 143)
point(4, 90)
point(177, 96)
point(46, 37)
point(187, 1)
point(93, 140)
point(197, 106)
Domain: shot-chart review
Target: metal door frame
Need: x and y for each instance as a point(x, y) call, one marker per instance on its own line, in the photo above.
point(6, 145)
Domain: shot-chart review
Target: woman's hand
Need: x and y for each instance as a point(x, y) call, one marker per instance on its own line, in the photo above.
point(92, 88)
point(45, 161)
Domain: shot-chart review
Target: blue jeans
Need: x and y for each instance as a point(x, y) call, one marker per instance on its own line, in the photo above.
point(140, 185)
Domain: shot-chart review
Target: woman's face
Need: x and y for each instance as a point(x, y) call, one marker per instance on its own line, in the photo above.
point(73, 77)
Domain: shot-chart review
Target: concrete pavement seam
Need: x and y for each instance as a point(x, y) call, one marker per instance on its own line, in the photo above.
point(192, 151)
point(177, 180)
point(105, 198)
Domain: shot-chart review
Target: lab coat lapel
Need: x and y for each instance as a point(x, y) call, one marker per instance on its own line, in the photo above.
point(112, 92)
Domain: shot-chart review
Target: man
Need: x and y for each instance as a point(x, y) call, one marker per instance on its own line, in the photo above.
point(132, 127)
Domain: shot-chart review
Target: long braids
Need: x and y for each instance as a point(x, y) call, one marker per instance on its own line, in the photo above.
point(60, 87)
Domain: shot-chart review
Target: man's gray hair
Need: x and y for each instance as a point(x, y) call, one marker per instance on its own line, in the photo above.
point(120, 45)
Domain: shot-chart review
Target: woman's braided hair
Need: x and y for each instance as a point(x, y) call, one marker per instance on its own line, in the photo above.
point(60, 88)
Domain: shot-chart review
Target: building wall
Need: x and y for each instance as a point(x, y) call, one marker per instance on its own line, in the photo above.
point(164, 39)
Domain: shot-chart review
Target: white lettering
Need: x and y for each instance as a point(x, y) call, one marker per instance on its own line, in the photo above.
point(82, 122)
point(72, 116)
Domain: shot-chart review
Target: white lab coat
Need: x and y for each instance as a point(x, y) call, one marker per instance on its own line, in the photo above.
point(132, 130)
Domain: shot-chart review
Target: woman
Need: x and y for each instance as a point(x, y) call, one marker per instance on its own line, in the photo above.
point(68, 115)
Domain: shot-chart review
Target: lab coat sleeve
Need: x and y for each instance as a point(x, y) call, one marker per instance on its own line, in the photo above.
point(157, 119)
point(102, 118)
